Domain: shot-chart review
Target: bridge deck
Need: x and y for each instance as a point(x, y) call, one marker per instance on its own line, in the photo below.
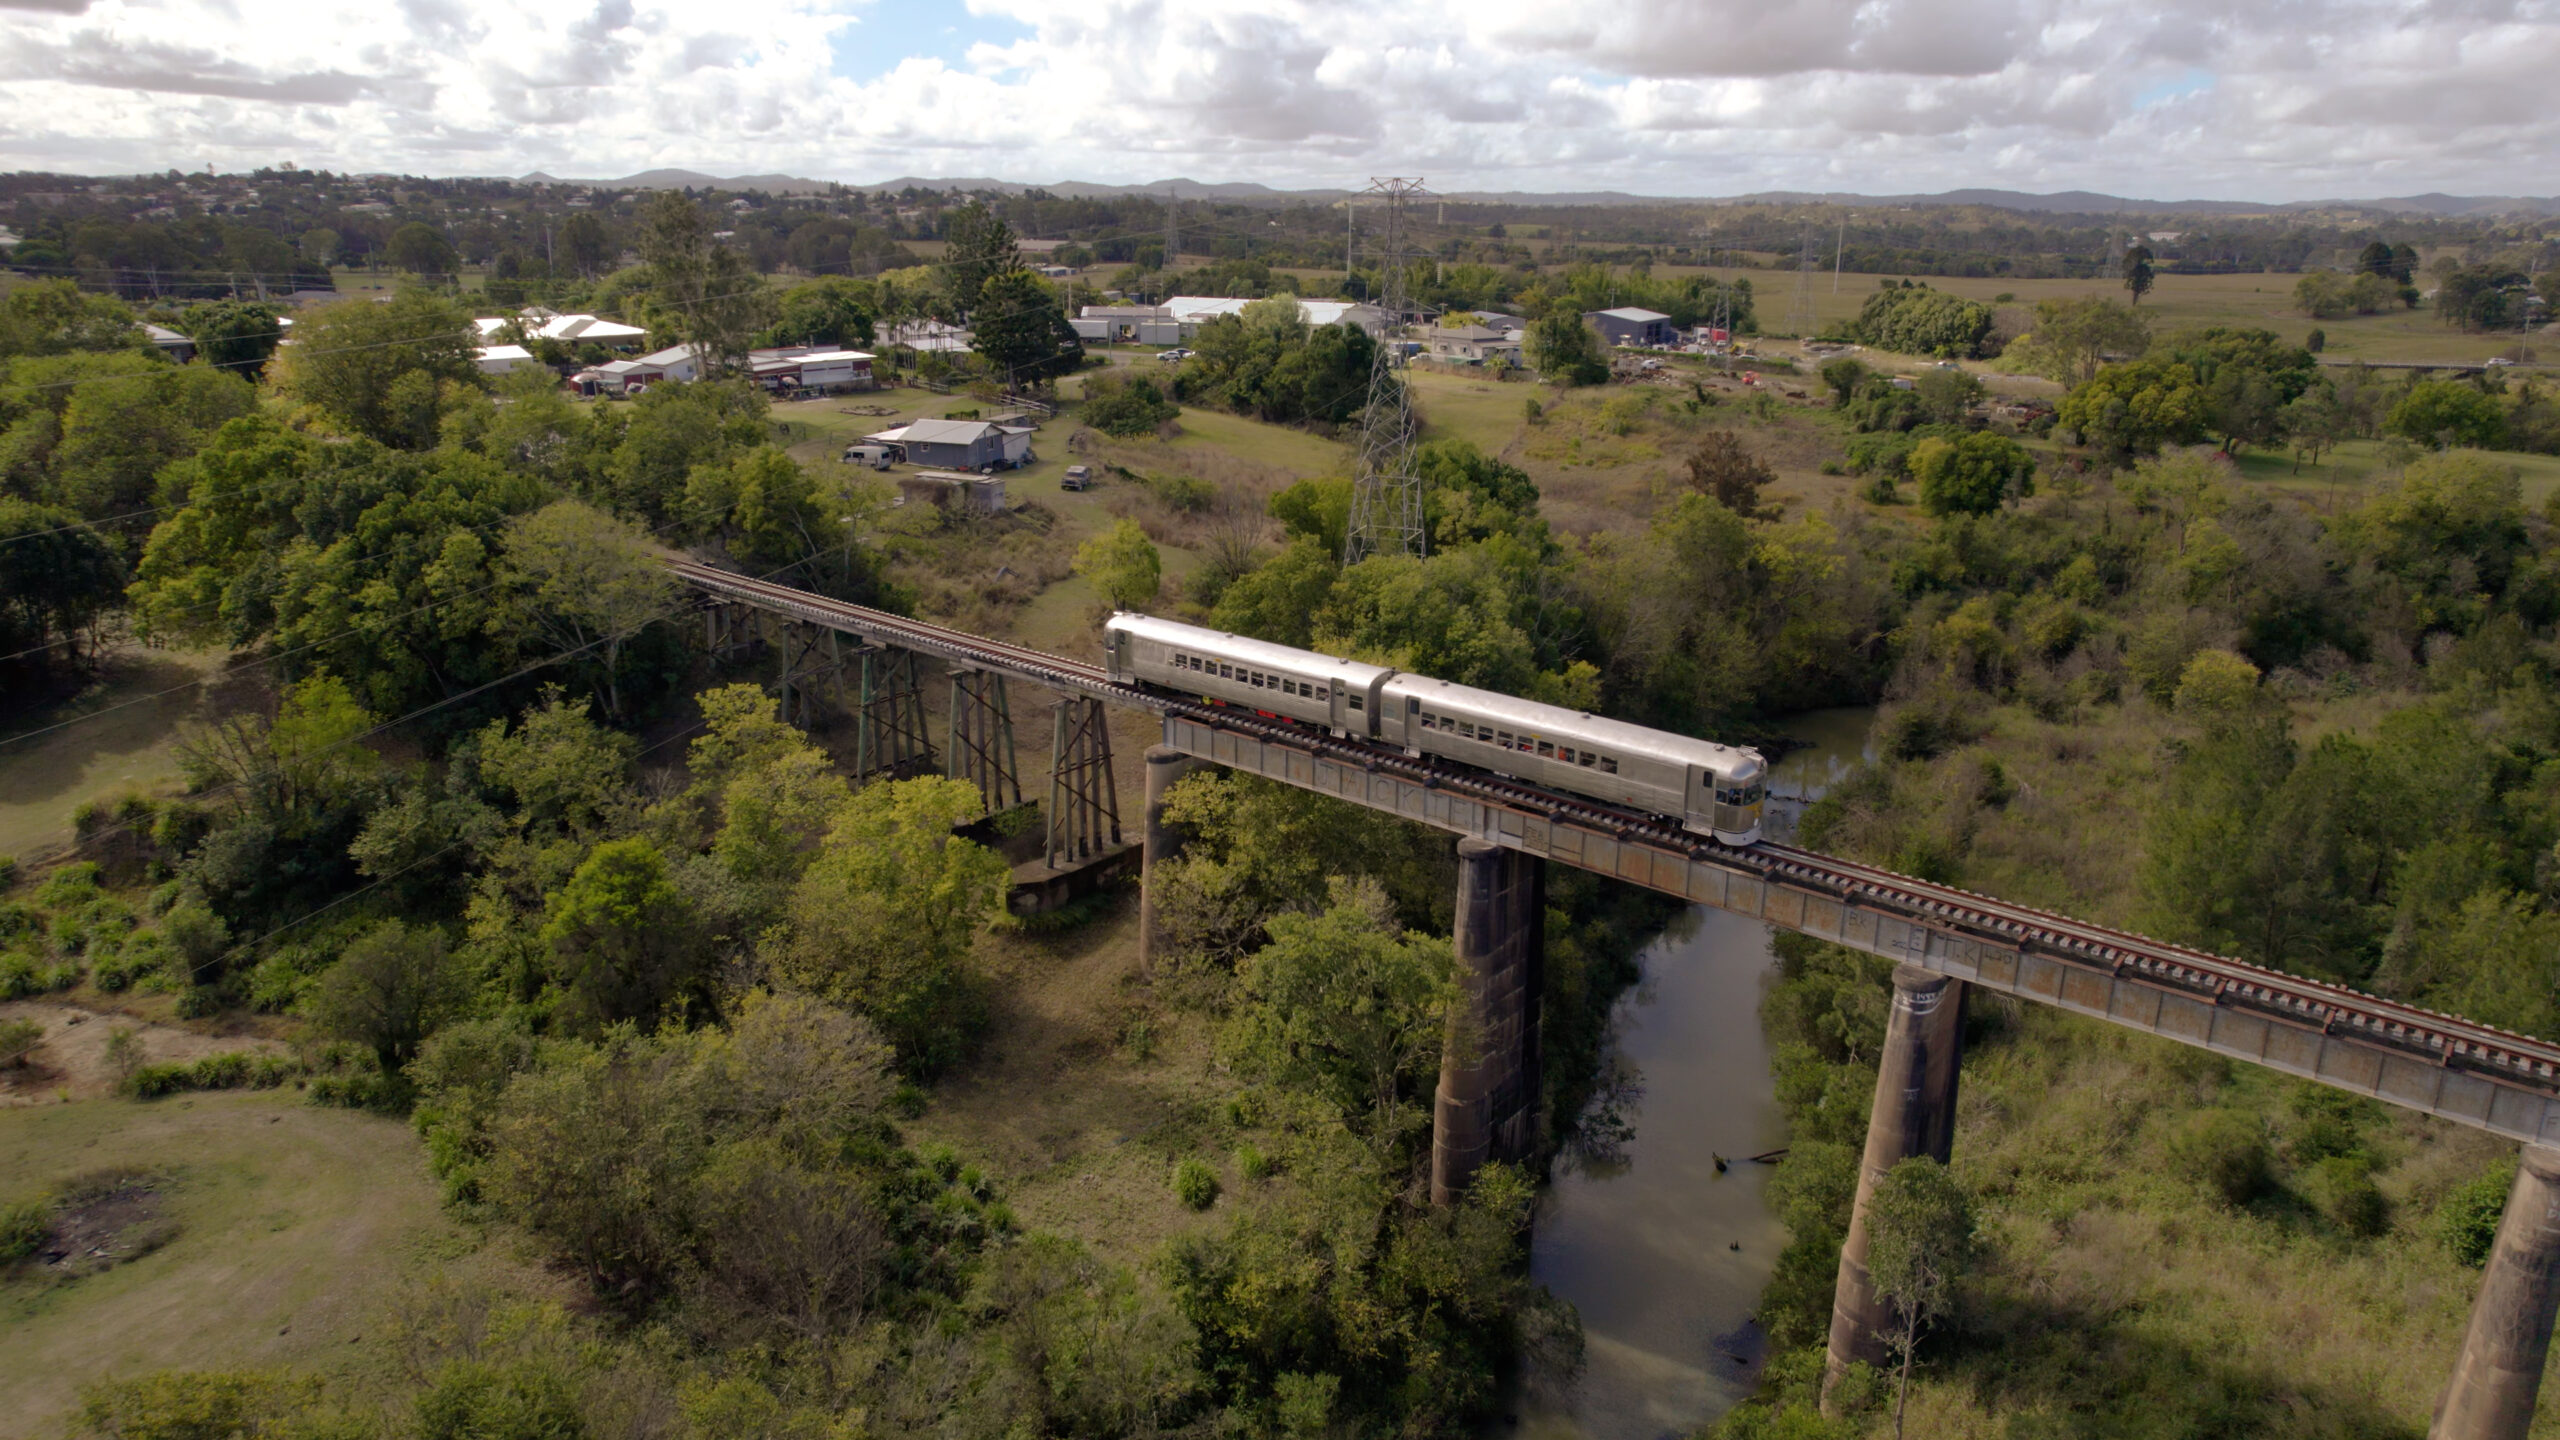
point(2441, 1065)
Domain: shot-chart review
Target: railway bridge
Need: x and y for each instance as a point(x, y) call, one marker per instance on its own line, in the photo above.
point(1944, 943)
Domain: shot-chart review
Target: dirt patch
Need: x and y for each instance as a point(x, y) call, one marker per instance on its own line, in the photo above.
point(79, 1060)
point(101, 1221)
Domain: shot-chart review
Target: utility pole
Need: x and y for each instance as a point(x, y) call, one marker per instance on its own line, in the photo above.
point(1386, 491)
point(1172, 230)
point(1839, 243)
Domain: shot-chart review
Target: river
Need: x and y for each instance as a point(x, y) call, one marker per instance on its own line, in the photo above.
point(1664, 1255)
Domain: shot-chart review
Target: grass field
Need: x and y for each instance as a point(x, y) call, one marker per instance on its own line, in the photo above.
point(120, 736)
point(2177, 302)
point(296, 1227)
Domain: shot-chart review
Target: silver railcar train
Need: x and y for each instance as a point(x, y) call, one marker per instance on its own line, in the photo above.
point(1707, 788)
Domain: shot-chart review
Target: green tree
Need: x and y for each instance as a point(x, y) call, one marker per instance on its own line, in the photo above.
point(235, 334)
point(2139, 276)
point(58, 580)
point(382, 369)
point(319, 246)
point(2136, 408)
point(1122, 565)
point(1724, 468)
point(1344, 1006)
point(587, 581)
point(674, 430)
point(421, 249)
point(1127, 408)
point(585, 246)
point(978, 246)
point(700, 291)
point(2449, 414)
point(1565, 349)
point(622, 938)
point(1920, 1239)
point(1918, 320)
point(829, 311)
point(388, 992)
point(1020, 328)
point(2072, 339)
point(1842, 377)
point(883, 920)
point(1974, 474)
point(56, 317)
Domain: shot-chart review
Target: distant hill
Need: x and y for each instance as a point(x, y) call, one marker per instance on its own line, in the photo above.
point(2064, 202)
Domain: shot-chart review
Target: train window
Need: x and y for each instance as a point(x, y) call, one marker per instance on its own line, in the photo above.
point(1502, 738)
point(1547, 749)
point(1355, 701)
point(1430, 721)
point(1565, 753)
point(1587, 760)
point(1608, 766)
point(1226, 672)
point(1323, 694)
point(1467, 729)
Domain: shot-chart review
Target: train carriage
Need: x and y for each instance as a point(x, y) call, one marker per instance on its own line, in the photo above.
point(1341, 695)
point(1710, 788)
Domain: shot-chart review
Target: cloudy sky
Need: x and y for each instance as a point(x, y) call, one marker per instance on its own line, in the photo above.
point(2260, 99)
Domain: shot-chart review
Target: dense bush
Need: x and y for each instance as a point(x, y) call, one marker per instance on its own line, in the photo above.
point(1195, 1184)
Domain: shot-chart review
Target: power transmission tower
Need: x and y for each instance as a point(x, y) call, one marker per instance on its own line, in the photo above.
point(1800, 309)
point(1386, 495)
point(1172, 230)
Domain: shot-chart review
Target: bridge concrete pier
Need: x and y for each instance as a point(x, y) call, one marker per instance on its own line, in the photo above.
point(1486, 1106)
point(2499, 1375)
point(1159, 842)
point(1914, 1114)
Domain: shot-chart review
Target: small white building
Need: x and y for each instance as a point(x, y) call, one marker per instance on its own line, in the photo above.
point(796, 368)
point(506, 359)
point(541, 324)
point(178, 347)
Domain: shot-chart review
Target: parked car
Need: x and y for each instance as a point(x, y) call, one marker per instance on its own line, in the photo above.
point(1078, 477)
point(875, 456)
point(1174, 356)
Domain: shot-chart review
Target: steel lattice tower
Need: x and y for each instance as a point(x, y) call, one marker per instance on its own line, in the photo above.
point(1800, 310)
point(1386, 495)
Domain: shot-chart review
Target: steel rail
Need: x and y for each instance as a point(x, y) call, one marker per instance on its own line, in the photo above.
point(2445, 1039)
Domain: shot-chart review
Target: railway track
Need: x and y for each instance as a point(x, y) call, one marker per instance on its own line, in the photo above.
point(2445, 1039)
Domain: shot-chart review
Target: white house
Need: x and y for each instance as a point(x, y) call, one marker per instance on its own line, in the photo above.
point(1630, 325)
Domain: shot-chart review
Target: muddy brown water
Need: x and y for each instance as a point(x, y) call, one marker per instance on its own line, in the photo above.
point(1664, 1256)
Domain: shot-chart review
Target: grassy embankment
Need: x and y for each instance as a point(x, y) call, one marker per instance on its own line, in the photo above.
point(289, 1237)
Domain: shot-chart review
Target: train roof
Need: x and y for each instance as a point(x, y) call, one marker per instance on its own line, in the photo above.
point(1556, 721)
point(1241, 647)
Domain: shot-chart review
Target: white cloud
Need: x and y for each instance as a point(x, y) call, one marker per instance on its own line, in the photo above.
point(2172, 98)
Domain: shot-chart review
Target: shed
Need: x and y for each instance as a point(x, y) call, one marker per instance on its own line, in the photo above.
point(506, 359)
point(1627, 325)
point(958, 444)
point(968, 494)
point(180, 348)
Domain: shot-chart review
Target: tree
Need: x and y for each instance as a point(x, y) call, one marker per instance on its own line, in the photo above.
point(2314, 421)
point(2073, 338)
point(388, 991)
point(978, 246)
point(700, 290)
point(1919, 320)
point(1122, 565)
point(1843, 376)
point(622, 938)
point(1920, 1237)
point(1566, 350)
point(832, 311)
point(1723, 467)
point(883, 920)
point(1128, 408)
point(673, 430)
point(2136, 408)
point(587, 580)
point(2448, 414)
point(1345, 1006)
point(2321, 295)
point(1972, 475)
point(381, 369)
point(1021, 329)
point(421, 249)
point(319, 247)
point(58, 577)
point(234, 334)
point(584, 246)
point(56, 317)
point(2138, 274)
